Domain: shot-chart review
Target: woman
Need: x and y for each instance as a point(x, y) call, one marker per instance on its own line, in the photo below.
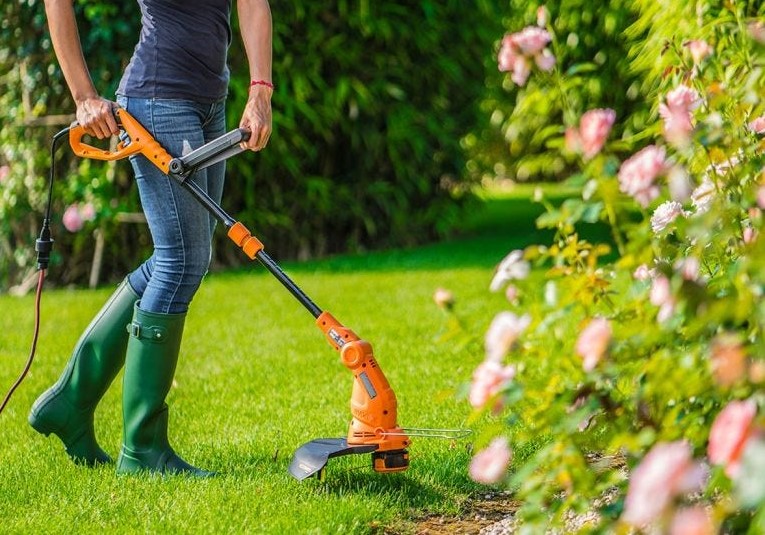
point(175, 85)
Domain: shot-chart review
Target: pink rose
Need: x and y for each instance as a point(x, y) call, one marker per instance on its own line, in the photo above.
point(683, 98)
point(513, 266)
point(677, 114)
point(680, 187)
point(72, 219)
point(689, 268)
point(643, 273)
point(665, 311)
point(521, 71)
point(677, 125)
point(545, 60)
point(504, 330)
point(638, 174)
point(87, 211)
point(731, 430)
point(532, 40)
point(661, 296)
point(489, 379)
point(511, 58)
point(660, 291)
point(518, 50)
point(749, 235)
point(667, 471)
point(758, 125)
point(511, 293)
point(703, 195)
point(727, 360)
point(573, 140)
point(699, 50)
point(757, 31)
point(665, 214)
point(593, 342)
point(542, 16)
point(508, 52)
point(692, 521)
point(594, 127)
point(443, 298)
point(490, 464)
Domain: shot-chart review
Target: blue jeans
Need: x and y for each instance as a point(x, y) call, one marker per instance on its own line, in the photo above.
point(181, 228)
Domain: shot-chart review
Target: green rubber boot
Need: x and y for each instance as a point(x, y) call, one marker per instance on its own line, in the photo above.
point(152, 354)
point(66, 409)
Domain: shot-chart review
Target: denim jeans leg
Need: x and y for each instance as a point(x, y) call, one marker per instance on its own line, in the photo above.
point(181, 228)
point(214, 127)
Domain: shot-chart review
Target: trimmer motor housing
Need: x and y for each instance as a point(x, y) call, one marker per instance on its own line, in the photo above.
point(374, 428)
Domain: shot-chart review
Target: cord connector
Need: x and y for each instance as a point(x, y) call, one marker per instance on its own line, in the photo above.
point(44, 245)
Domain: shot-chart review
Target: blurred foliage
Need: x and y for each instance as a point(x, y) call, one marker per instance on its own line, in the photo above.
point(35, 104)
point(521, 136)
point(662, 376)
point(371, 101)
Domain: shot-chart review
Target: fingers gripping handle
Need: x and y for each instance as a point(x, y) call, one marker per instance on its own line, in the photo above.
point(138, 141)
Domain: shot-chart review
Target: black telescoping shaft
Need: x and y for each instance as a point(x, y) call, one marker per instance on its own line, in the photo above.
point(293, 288)
point(262, 257)
point(206, 201)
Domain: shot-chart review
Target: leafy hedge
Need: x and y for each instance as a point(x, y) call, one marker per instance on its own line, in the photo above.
point(371, 102)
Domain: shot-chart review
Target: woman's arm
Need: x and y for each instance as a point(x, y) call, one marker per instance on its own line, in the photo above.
point(94, 113)
point(255, 25)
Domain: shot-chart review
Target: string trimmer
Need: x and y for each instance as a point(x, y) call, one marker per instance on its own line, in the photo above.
point(373, 428)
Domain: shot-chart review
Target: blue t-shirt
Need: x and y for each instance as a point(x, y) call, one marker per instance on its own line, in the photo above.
point(181, 52)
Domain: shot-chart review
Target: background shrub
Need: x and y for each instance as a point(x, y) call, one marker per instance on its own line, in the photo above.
point(522, 128)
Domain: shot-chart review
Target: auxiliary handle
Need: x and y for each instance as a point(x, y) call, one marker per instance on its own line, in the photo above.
point(217, 150)
point(138, 141)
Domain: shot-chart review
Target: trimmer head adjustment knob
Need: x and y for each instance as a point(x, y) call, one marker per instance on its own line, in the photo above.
point(390, 461)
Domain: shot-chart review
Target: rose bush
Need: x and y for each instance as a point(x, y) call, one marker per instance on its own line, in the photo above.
point(637, 384)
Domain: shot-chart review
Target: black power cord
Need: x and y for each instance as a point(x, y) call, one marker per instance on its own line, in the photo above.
point(43, 246)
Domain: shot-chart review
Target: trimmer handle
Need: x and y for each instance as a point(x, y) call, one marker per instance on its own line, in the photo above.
point(138, 141)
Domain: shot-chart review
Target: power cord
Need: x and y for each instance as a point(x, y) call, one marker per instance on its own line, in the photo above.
point(43, 247)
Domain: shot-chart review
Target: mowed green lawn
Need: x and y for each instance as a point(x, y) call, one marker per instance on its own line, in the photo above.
point(256, 380)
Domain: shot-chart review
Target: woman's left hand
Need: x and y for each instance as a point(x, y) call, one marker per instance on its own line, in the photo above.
point(257, 117)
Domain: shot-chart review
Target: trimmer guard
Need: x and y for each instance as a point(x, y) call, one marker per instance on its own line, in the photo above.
point(312, 456)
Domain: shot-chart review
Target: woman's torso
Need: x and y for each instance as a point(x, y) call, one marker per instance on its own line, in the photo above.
point(181, 52)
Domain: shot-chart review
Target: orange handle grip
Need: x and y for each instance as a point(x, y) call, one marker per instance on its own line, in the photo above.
point(139, 141)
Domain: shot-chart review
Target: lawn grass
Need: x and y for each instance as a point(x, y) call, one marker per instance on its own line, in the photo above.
point(255, 381)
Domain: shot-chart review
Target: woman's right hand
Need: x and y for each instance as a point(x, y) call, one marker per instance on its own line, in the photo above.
point(96, 116)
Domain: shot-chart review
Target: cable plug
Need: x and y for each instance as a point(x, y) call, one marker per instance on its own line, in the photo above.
point(44, 245)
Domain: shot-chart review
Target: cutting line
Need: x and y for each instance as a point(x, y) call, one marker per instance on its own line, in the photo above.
point(430, 432)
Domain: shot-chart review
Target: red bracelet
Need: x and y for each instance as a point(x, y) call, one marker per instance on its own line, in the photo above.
point(262, 82)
